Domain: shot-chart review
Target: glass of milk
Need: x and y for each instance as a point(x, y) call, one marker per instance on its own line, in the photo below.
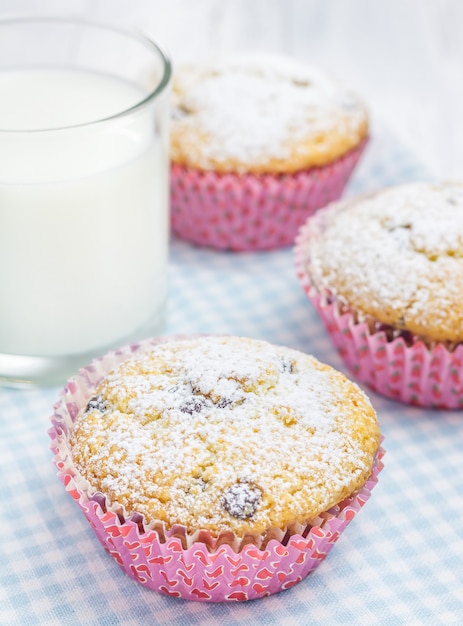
point(84, 225)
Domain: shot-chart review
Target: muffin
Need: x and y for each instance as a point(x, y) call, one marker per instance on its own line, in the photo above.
point(258, 143)
point(216, 468)
point(385, 272)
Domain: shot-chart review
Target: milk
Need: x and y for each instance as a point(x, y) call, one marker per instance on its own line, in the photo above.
point(83, 213)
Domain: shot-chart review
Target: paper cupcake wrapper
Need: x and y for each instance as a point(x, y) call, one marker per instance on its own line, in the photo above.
point(417, 374)
point(198, 566)
point(245, 212)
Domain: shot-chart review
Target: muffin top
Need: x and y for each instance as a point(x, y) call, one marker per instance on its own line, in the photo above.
point(261, 113)
point(225, 434)
point(396, 255)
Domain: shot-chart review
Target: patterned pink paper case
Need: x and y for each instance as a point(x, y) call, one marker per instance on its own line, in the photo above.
point(250, 212)
point(414, 374)
point(193, 567)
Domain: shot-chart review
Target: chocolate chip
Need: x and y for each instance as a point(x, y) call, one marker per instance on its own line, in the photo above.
point(241, 499)
point(96, 403)
point(224, 402)
point(286, 365)
point(193, 405)
point(407, 336)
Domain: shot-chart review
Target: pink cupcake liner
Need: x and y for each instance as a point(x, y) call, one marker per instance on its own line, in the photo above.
point(245, 212)
point(414, 374)
point(199, 566)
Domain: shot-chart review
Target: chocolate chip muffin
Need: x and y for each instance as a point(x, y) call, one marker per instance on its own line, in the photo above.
point(225, 434)
point(385, 272)
point(215, 468)
point(395, 257)
point(262, 114)
point(258, 143)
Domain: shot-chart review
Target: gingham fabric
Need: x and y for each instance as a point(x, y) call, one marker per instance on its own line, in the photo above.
point(399, 562)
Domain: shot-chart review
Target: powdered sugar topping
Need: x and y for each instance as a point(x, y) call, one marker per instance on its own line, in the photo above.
point(222, 432)
point(257, 108)
point(396, 255)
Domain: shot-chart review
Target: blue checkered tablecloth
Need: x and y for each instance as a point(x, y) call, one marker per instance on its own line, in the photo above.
point(399, 562)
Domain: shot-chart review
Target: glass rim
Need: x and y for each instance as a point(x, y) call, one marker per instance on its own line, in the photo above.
point(143, 39)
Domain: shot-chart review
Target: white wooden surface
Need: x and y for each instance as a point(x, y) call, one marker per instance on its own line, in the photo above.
point(404, 56)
